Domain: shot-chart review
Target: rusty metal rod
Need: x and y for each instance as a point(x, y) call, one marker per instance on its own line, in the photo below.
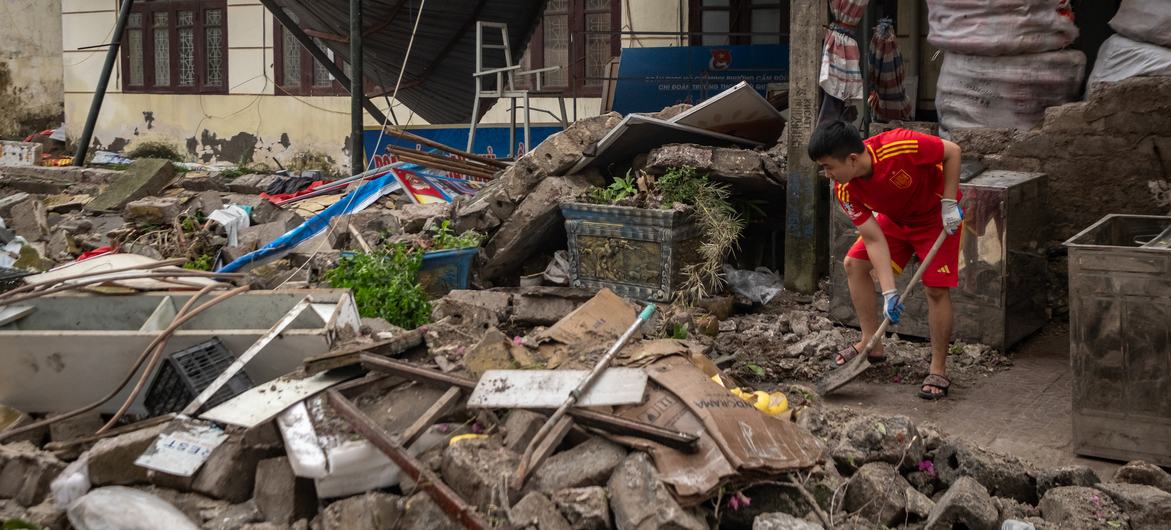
point(444, 496)
point(446, 166)
point(401, 133)
point(440, 158)
point(682, 441)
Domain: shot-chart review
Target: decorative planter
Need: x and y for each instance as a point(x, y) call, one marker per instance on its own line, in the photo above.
point(635, 252)
point(445, 270)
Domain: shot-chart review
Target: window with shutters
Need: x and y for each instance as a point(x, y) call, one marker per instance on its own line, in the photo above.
point(297, 72)
point(176, 46)
point(729, 22)
point(581, 37)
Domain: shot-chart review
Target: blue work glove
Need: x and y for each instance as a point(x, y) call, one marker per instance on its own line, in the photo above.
point(891, 307)
point(953, 215)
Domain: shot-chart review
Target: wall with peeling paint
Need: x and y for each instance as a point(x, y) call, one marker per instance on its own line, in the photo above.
point(30, 67)
point(251, 124)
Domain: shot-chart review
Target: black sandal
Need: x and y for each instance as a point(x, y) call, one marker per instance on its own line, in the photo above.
point(850, 352)
point(936, 381)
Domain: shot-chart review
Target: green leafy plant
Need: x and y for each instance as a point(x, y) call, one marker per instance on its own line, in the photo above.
point(679, 331)
point(443, 237)
point(202, 262)
point(756, 369)
point(718, 221)
point(621, 188)
point(385, 284)
point(155, 149)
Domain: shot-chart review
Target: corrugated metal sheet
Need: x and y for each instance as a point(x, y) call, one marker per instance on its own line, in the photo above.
point(438, 82)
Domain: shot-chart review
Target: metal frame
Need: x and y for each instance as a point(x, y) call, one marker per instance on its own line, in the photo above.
point(507, 73)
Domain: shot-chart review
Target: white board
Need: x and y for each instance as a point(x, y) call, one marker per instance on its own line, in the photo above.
point(548, 389)
point(182, 448)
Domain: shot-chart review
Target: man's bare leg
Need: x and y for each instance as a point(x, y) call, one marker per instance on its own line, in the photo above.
point(939, 314)
point(865, 301)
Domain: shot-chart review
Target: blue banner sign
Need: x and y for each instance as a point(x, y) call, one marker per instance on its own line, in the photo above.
point(652, 78)
point(491, 141)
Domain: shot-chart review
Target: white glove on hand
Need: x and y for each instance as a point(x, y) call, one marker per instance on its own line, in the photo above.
point(953, 215)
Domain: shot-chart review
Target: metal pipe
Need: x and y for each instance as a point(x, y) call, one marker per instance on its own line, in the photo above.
point(444, 496)
point(407, 135)
point(357, 91)
point(95, 106)
point(319, 55)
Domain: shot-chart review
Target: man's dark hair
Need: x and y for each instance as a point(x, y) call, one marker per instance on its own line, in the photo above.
point(837, 139)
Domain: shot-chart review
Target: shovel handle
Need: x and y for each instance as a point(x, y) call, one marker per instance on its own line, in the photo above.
point(907, 290)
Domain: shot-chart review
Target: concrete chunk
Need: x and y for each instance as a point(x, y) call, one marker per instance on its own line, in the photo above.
point(1081, 508)
point(153, 210)
point(965, 504)
point(536, 223)
point(144, 177)
point(421, 512)
point(111, 460)
point(25, 473)
point(372, 511)
point(584, 508)
point(1048, 479)
point(537, 512)
point(519, 429)
point(782, 521)
point(640, 501)
point(280, 495)
point(1139, 472)
point(878, 493)
point(588, 464)
point(475, 468)
point(1148, 507)
point(230, 472)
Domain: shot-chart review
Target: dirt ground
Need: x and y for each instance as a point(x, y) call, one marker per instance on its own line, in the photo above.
point(1024, 410)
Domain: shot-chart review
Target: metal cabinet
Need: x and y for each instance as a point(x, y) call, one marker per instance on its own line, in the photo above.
point(1120, 338)
point(1002, 291)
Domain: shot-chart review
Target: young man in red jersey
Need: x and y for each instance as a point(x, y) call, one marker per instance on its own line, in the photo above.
point(900, 189)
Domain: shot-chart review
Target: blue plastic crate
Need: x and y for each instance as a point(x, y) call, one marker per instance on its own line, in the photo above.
point(445, 270)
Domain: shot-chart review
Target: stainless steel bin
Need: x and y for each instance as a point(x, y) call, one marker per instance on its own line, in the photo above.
point(1120, 338)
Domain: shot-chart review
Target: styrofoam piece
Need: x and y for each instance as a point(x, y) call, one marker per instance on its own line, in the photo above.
point(305, 454)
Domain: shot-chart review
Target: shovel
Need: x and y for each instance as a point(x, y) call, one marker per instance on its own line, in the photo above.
point(860, 363)
point(522, 470)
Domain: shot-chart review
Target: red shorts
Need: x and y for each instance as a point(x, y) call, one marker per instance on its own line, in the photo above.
point(943, 271)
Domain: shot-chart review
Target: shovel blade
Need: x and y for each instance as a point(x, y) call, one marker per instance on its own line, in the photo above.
point(844, 374)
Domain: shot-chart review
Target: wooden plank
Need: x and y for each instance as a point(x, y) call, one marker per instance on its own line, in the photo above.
point(351, 355)
point(441, 407)
point(548, 389)
point(548, 444)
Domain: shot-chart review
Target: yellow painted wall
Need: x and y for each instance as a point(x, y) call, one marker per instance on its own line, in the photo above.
point(30, 66)
point(214, 128)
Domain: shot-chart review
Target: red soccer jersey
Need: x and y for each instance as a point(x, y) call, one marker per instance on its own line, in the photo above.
point(906, 182)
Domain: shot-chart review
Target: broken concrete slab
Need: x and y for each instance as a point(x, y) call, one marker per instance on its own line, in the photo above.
point(30, 220)
point(584, 508)
point(536, 223)
point(1148, 507)
point(744, 169)
point(371, 511)
point(475, 469)
point(519, 429)
point(967, 504)
point(537, 512)
point(640, 501)
point(878, 493)
point(374, 225)
point(484, 211)
point(1002, 475)
point(892, 439)
point(280, 495)
point(144, 177)
point(25, 473)
point(7, 202)
point(230, 517)
point(421, 512)
point(412, 218)
point(1139, 472)
point(76, 427)
point(461, 301)
point(493, 352)
point(1081, 508)
point(588, 464)
point(111, 460)
point(544, 306)
point(560, 152)
point(252, 183)
point(154, 210)
point(1075, 475)
point(782, 521)
point(202, 181)
point(66, 203)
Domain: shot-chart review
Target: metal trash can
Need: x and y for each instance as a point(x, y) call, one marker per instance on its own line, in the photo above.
point(1120, 338)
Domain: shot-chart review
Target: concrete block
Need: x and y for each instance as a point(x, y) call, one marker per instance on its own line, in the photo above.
point(78, 427)
point(280, 495)
point(1081, 508)
point(588, 464)
point(1139, 472)
point(202, 181)
point(111, 460)
point(29, 220)
point(474, 468)
point(25, 473)
point(252, 183)
point(880, 494)
point(640, 500)
point(412, 218)
point(154, 210)
point(371, 511)
point(584, 508)
point(8, 202)
point(421, 512)
point(519, 429)
point(230, 472)
point(537, 222)
point(536, 511)
point(966, 504)
point(145, 177)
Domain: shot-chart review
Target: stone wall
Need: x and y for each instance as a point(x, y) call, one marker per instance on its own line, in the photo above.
point(1101, 155)
point(31, 81)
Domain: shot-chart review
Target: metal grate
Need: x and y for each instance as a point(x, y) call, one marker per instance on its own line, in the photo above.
point(188, 372)
point(10, 278)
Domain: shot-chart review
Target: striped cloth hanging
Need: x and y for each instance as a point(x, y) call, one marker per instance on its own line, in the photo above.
point(888, 99)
